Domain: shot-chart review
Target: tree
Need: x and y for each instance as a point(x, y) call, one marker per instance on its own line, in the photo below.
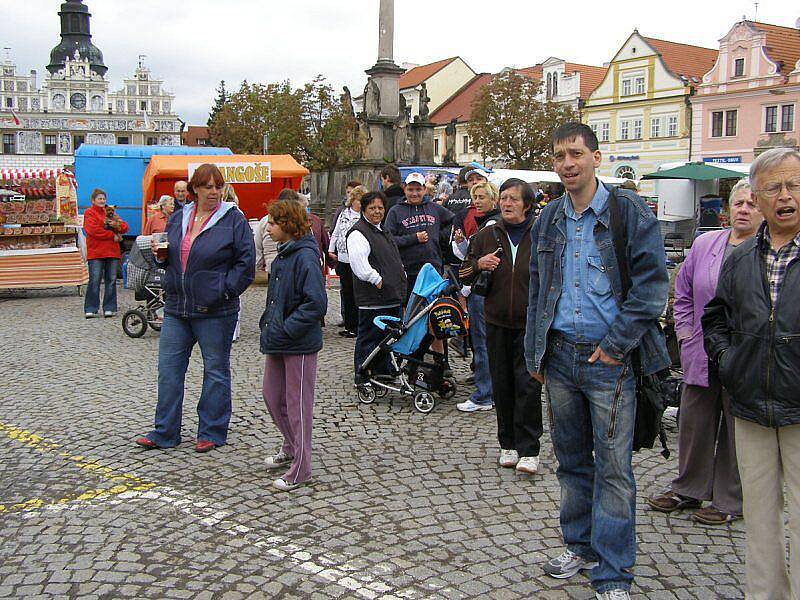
point(219, 103)
point(258, 109)
point(509, 122)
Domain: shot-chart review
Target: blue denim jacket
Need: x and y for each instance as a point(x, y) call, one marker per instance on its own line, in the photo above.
point(636, 324)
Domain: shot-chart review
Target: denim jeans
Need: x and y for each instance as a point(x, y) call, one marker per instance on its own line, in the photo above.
point(477, 332)
point(369, 336)
point(178, 336)
point(101, 269)
point(591, 422)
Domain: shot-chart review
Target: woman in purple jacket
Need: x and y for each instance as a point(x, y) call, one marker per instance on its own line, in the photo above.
point(707, 468)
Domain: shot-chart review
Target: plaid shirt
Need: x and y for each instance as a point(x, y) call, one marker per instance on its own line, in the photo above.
point(777, 262)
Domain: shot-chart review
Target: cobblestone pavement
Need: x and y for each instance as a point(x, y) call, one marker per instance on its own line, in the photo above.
point(402, 505)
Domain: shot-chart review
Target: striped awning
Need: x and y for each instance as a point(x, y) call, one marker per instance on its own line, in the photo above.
point(54, 267)
point(19, 174)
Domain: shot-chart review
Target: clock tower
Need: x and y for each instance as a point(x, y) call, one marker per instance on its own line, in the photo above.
point(76, 37)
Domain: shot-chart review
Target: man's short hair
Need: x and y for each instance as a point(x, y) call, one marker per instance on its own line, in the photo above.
point(769, 160)
point(392, 173)
point(353, 183)
point(526, 191)
point(462, 175)
point(569, 132)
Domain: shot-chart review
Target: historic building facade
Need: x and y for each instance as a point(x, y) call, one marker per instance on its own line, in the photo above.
point(748, 102)
point(641, 111)
point(43, 126)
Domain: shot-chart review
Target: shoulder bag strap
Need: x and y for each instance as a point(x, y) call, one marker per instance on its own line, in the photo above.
point(620, 239)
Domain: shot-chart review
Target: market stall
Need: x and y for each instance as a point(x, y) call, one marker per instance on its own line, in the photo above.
point(256, 179)
point(39, 230)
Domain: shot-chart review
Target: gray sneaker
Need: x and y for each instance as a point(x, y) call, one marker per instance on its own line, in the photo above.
point(566, 565)
point(278, 460)
point(613, 595)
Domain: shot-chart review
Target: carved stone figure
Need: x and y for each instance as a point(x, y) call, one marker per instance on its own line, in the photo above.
point(450, 141)
point(403, 137)
point(347, 102)
point(372, 98)
point(424, 99)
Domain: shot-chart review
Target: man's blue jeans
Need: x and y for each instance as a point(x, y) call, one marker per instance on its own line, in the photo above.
point(178, 336)
point(591, 422)
point(477, 333)
point(101, 269)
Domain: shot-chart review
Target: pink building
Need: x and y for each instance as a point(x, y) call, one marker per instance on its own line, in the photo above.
point(748, 102)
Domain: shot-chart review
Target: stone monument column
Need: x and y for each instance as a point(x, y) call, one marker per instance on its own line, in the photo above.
point(385, 74)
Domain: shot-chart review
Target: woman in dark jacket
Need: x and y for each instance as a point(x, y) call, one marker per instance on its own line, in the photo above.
point(210, 263)
point(291, 337)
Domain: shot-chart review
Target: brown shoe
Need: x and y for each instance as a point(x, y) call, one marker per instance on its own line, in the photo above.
point(670, 502)
point(711, 516)
point(204, 446)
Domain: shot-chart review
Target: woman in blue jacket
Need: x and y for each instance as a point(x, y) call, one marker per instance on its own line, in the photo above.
point(291, 337)
point(210, 262)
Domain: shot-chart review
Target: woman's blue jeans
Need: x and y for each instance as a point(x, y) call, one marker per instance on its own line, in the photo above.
point(178, 336)
point(101, 269)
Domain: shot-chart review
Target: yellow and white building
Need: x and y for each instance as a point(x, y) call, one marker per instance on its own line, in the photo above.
point(641, 111)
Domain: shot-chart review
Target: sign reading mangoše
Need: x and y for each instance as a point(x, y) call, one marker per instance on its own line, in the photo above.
point(240, 172)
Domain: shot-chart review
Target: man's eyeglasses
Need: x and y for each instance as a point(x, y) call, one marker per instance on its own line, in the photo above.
point(774, 189)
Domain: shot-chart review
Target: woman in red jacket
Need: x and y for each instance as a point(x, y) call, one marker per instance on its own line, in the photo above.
point(104, 231)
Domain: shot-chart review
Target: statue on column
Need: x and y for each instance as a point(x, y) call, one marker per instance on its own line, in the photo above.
point(424, 99)
point(403, 137)
point(372, 98)
point(450, 141)
point(347, 102)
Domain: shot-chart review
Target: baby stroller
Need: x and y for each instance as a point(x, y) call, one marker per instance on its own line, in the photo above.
point(430, 313)
point(146, 278)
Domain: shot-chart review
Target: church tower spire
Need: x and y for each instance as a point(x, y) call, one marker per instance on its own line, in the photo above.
point(76, 37)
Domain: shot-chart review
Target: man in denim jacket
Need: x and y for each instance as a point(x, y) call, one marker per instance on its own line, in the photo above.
point(579, 339)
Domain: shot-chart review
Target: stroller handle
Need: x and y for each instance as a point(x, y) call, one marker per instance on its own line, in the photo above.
point(384, 322)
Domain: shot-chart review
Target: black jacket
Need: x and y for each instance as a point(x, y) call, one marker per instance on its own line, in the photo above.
point(384, 257)
point(394, 194)
point(756, 345)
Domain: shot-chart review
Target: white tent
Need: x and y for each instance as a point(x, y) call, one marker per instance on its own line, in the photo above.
point(498, 176)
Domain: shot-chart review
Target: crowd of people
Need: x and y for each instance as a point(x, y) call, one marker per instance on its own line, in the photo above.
point(564, 298)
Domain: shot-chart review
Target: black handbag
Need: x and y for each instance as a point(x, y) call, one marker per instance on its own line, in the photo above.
point(483, 284)
point(650, 398)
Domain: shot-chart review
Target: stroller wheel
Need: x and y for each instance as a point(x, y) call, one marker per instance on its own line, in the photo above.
point(366, 394)
point(156, 326)
point(134, 323)
point(448, 388)
point(380, 392)
point(424, 402)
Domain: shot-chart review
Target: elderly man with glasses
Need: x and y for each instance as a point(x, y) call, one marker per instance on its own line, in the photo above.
point(752, 332)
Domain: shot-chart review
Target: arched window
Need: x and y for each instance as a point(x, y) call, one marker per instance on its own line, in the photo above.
point(625, 172)
point(549, 86)
point(555, 85)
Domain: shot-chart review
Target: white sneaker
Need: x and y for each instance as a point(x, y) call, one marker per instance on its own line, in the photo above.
point(508, 458)
point(528, 464)
point(567, 564)
point(90, 315)
point(281, 459)
point(470, 406)
point(284, 486)
point(109, 313)
point(613, 595)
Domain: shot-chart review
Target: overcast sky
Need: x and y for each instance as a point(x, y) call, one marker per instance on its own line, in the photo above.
point(193, 44)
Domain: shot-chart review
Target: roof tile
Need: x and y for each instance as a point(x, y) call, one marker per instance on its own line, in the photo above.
point(685, 59)
point(459, 105)
point(783, 45)
point(413, 77)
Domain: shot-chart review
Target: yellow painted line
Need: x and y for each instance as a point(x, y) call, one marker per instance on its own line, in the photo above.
point(123, 482)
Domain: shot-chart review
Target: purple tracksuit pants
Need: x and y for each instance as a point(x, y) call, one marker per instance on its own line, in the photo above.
point(289, 395)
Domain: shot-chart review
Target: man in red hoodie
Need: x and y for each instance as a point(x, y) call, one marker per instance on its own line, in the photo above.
point(104, 231)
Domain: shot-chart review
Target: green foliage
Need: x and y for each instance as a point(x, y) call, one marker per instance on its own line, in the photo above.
point(509, 123)
point(308, 123)
point(219, 103)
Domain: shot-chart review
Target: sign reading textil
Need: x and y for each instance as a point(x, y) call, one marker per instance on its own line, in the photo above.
point(723, 160)
point(240, 172)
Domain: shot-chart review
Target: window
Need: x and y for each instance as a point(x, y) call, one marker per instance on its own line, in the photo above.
point(738, 67)
point(549, 86)
point(593, 127)
point(625, 172)
point(123, 139)
point(165, 106)
point(672, 126)
point(623, 130)
point(22, 103)
point(436, 147)
point(787, 117)
point(771, 119)
point(9, 102)
point(626, 87)
point(730, 122)
point(655, 127)
point(49, 144)
point(120, 106)
point(465, 144)
point(640, 85)
point(131, 106)
point(22, 86)
point(717, 118)
point(131, 90)
point(637, 129)
point(144, 90)
point(143, 105)
point(202, 141)
point(151, 141)
point(9, 143)
point(555, 85)
point(604, 132)
point(77, 141)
